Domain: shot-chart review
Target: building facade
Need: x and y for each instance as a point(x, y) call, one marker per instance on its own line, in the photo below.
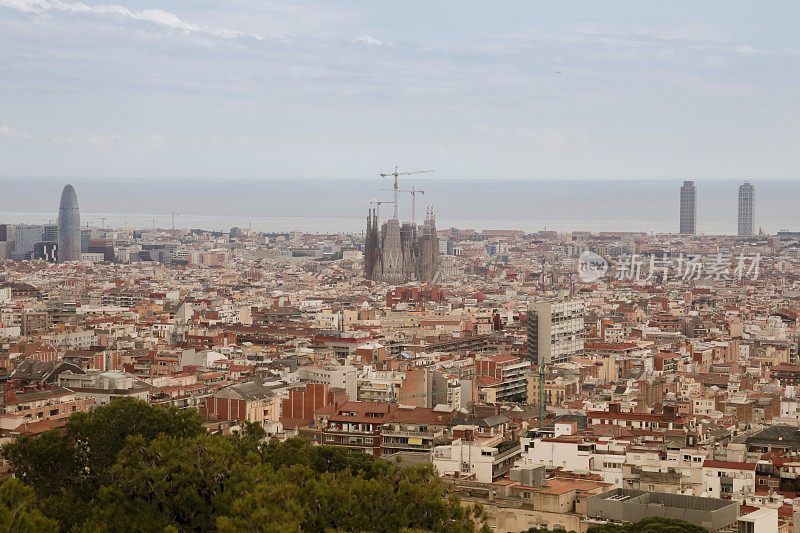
point(555, 331)
point(69, 226)
point(688, 221)
point(398, 253)
point(747, 196)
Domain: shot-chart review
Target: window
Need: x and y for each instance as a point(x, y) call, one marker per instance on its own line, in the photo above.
point(328, 438)
point(367, 440)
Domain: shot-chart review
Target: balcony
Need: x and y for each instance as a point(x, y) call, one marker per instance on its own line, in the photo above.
point(506, 449)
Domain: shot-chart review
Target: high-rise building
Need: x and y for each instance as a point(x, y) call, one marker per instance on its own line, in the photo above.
point(6, 241)
point(747, 196)
point(555, 331)
point(26, 236)
point(69, 226)
point(50, 233)
point(46, 251)
point(102, 246)
point(688, 208)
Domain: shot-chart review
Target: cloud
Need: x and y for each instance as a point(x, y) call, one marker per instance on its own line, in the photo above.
point(154, 16)
point(369, 40)
point(103, 141)
point(11, 133)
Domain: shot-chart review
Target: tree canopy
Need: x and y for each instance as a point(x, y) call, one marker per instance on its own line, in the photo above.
point(130, 465)
point(651, 524)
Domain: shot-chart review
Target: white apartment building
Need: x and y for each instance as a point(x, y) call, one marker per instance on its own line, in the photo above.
point(344, 377)
point(555, 331)
point(482, 459)
point(724, 478)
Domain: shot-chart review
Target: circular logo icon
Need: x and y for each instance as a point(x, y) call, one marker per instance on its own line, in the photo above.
point(591, 267)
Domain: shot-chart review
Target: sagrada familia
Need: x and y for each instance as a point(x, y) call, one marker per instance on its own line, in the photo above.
point(401, 253)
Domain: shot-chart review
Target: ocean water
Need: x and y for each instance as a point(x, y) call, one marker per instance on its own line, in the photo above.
point(329, 206)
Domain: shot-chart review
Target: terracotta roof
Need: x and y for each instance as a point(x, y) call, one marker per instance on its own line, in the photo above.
point(728, 465)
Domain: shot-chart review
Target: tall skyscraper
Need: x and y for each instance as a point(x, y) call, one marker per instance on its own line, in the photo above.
point(747, 196)
point(69, 226)
point(688, 208)
point(555, 331)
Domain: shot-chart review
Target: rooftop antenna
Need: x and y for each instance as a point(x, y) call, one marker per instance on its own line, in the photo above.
point(396, 190)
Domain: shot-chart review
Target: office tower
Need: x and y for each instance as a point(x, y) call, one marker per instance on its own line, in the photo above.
point(86, 236)
point(747, 196)
point(69, 226)
point(688, 208)
point(46, 251)
point(50, 233)
point(555, 331)
point(6, 241)
point(25, 238)
point(102, 246)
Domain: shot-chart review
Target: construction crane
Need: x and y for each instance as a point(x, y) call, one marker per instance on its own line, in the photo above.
point(414, 191)
point(396, 189)
point(101, 219)
point(378, 209)
point(540, 395)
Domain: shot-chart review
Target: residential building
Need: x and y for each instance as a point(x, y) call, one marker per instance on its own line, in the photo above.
point(555, 331)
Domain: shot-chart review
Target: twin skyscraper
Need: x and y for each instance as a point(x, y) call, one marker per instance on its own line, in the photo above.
point(688, 215)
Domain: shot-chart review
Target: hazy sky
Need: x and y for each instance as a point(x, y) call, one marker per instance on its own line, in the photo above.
point(241, 88)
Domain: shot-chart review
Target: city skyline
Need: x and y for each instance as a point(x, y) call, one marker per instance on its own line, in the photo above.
point(612, 205)
point(594, 327)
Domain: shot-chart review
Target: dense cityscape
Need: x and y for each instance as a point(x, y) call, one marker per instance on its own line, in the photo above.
point(359, 266)
point(557, 380)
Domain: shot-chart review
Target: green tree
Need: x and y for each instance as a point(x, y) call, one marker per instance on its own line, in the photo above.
point(98, 435)
point(133, 463)
point(67, 468)
point(48, 462)
point(651, 524)
point(18, 512)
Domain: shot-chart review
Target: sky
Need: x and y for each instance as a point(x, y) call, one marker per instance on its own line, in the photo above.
point(347, 89)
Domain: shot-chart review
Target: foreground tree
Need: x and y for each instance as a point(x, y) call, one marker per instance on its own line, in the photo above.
point(651, 524)
point(67, 468)
point(18, 512)
point(130, 463)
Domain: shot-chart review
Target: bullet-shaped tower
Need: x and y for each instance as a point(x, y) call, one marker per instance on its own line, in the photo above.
point(69, 226)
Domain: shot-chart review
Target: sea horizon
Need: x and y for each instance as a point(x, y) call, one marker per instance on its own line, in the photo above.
point(341, 206)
